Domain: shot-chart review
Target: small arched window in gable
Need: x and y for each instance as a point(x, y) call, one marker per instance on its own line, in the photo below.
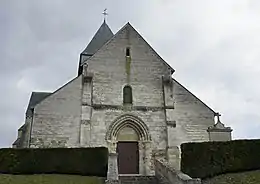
point(127, 53)
point(127, 95)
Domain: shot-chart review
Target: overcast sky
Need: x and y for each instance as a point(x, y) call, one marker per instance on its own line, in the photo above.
point(214, 46)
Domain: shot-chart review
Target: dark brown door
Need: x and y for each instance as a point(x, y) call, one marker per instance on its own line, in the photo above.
point(128, 157)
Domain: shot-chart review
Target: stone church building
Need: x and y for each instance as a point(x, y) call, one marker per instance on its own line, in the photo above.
point(125, 98)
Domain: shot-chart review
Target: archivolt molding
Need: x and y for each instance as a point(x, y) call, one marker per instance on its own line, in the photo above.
point(131, 121)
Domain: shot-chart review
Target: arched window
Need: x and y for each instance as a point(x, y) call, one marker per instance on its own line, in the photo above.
point(127, 95)
point(127, 53)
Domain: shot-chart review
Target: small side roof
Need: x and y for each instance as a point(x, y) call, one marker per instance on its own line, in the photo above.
point(17, 142)
point(36, 97)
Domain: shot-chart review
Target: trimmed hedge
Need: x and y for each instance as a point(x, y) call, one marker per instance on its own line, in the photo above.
point(82, 161)
point(208, 159)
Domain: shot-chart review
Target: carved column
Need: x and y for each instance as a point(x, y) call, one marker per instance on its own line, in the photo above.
point(141, 157)
point(112, 146)
point(86, 109)
point(148, 158)
point(173, 156)
point(112, 172)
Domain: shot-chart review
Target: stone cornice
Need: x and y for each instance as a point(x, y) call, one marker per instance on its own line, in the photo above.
point(128, 107)
point(214, 129)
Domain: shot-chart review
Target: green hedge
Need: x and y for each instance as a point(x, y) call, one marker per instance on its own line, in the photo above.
point(207, 159)
point(82, 161)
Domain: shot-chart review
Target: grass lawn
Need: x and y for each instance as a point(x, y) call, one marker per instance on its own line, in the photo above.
point(250, 177)
point(49, 179)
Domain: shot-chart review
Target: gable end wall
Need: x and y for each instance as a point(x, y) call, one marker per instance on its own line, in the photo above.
point(111, 73)
point(192, 117)
point(56, 120)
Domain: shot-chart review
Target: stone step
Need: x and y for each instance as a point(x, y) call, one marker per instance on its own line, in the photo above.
point(138, 179)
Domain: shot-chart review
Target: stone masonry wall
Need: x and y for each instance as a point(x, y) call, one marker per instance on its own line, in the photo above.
point(56, 120)
point(185, 118)
point(112, 72)
point(80, 115)
point(191, 116)
point(220, 136)
point(166, 174)
point(101, 120)
point(145, 73)
point(187, 122)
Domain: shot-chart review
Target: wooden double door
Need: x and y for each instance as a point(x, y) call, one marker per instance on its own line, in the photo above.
point(128, 157)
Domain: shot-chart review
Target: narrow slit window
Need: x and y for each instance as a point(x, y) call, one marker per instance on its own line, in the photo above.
point(128, 52)
point(127, 95)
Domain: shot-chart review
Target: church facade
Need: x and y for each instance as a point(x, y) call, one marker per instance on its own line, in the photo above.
point(124, 98)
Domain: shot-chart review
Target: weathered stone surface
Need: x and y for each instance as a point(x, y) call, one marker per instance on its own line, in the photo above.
point(80, 113)
point(166, 174)
point(112, 172)
point(219, 132)
point(56, 120)
point(112, 182)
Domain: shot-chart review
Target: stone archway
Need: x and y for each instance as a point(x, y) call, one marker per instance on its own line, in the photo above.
point(129, 132)
point(128, 120)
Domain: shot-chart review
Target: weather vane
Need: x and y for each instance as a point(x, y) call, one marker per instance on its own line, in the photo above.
point(105, 14)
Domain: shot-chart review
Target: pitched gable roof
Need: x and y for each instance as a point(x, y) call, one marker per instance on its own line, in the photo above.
point(126, 26)
point(129, 25)
point(36, 97)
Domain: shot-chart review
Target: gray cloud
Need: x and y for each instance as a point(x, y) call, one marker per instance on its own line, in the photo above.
point(213, 45)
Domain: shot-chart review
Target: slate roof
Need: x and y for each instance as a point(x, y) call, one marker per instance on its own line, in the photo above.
point(102, 35)
point(19, 141)
point(36, 98)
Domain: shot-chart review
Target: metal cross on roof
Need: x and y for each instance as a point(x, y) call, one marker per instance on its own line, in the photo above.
point(218, 115)
point(105, 14)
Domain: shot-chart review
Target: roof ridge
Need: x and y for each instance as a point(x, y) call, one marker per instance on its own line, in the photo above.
point(128, 24)
point(172, 70)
